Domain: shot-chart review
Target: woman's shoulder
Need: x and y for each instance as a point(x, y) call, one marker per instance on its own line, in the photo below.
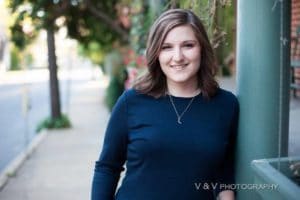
point(134, 100)
point(126, 98)
point(226, 96)
point(132, 95)
point(227, 101)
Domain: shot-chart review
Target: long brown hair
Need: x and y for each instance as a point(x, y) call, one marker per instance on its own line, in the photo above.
point(154, 81)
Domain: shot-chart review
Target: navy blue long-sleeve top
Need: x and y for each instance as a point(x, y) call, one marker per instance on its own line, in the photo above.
point(165, 159)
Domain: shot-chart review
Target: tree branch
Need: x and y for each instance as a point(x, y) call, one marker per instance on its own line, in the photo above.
point(55, 11)
point(106, 19)
point(61, 9)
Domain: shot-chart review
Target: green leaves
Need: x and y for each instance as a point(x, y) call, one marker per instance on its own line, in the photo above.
point(56, 123)
point(81, 24)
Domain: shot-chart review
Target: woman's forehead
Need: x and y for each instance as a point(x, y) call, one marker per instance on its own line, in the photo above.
point(180, 34)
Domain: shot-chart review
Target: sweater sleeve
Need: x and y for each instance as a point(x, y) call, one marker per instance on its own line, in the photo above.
point(113, 155)
point(226, 175)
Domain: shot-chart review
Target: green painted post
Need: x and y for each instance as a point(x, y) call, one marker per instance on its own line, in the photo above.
point(262, 85)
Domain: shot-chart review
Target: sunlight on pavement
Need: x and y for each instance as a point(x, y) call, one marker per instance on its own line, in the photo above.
point(24, 76)
point(42, 75)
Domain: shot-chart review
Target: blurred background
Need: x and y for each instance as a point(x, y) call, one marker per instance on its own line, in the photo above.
point(64, 63)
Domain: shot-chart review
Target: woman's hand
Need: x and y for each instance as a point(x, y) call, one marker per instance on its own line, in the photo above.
point(226, 195)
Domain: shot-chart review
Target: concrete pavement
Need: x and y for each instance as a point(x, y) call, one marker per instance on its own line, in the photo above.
point(62, 165)
point(61, 168)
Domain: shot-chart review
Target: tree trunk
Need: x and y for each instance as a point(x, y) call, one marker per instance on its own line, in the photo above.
point(54, 87)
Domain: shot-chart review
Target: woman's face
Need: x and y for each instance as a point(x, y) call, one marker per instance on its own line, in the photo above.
point(180, 56)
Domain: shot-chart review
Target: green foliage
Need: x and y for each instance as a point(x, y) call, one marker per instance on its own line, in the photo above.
point(57, 123)
point(95, 36)
point(140, 26)
point(205, 9)
point(87, 29)
point(94, 51)
point(15, 62)
point(30, 16)
point(226, 45)
point(20, 36)
point(117, 73)
point(219, 19)
point(225, 70)
point(145, 12)
point(28, 59)
point(114, 89)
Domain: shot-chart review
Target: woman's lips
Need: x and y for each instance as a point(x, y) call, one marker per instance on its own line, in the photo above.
point(179, 67)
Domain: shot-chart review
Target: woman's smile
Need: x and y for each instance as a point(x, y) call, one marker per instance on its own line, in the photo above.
point(179, 67)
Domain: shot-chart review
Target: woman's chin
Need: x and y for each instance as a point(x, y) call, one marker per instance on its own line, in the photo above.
point(179, 80)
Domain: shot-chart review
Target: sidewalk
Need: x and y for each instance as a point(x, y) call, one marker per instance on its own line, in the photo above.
point(61, 168)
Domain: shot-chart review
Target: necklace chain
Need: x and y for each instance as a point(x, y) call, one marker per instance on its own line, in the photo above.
point(175, 109)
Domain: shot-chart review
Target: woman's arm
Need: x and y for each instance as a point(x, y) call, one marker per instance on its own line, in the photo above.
point(110, 164)
point(226, 175)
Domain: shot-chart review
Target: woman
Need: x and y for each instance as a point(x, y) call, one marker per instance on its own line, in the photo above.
point(176, 129)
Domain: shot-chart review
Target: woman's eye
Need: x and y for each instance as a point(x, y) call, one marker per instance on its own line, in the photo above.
point(189, 45)
point(166, 47)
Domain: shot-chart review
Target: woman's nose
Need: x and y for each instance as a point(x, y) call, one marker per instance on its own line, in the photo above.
point(178, 55)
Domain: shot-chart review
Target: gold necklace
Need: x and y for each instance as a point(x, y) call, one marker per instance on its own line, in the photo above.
point(175, 109)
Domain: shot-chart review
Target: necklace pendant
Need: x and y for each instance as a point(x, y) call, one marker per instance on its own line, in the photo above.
point(186, 108)
point(179, 121)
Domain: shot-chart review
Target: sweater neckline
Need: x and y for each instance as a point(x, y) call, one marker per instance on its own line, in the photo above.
point(183, 98)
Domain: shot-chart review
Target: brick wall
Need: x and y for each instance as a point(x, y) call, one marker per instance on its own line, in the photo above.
point(295, 26)
point(295, 41)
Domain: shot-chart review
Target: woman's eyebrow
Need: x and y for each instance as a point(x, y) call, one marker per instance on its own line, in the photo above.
point(194, 41)
point(167, 43)
point(185, 41)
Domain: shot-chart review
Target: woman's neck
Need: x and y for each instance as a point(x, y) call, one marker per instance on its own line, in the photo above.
point(182, 90)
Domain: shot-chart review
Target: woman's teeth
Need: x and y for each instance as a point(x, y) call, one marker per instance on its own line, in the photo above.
point(178, 67)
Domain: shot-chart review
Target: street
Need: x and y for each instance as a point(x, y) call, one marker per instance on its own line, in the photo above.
point(18, 126)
